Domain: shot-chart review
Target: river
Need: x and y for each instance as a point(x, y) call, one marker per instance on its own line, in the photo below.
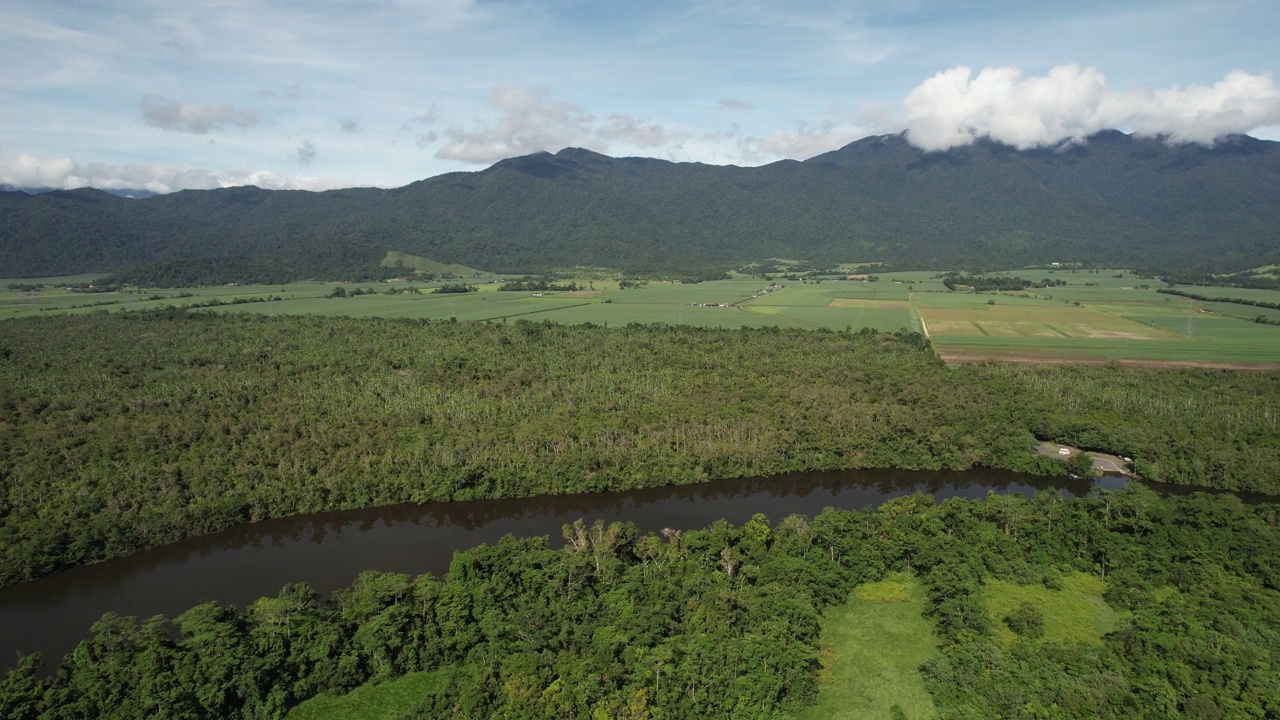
point(328, 550)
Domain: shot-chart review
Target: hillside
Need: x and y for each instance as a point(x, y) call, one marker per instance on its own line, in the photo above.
point(1117, 200)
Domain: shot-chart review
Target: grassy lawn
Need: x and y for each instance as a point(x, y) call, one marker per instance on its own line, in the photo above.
point(388, 700)
point(1076, 613)
point(872, 649)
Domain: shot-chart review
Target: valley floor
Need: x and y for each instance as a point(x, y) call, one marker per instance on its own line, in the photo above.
point(1095, 318)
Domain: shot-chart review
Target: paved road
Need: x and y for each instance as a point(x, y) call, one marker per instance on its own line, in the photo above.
point(1101, 464)
point(1106, 465)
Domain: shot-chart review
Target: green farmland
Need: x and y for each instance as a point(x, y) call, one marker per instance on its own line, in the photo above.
point(1096, 317)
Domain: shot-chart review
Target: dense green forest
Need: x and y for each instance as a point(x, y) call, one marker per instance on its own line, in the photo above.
point(124, 431)
point(998, 283)
point(723, 622)
point(1117, 200)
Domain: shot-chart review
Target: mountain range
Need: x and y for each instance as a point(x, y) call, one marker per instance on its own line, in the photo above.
point(1114, 200)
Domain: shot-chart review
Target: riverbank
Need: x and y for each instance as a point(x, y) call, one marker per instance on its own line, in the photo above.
point(328, 550)
point(724, 622)
point(1103, 463)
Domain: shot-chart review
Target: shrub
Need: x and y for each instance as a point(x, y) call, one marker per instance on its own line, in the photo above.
point(1027, 621)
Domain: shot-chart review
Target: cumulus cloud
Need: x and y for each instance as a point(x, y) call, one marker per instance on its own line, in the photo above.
point(1069, 103)
point(30, 171)
point(306, 152)
point(530, 122)
point(166, 114)
point(632, 132)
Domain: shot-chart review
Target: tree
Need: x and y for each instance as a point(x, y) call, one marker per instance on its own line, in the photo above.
point(1026, 620)
point(1080, 465)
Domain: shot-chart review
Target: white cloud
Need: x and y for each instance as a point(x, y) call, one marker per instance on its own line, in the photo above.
point(628, 130)
point(166, 114)
point(1069, 103)
point(1238, 103)
point(26, 170)
point(684, 72)
point(530, 122)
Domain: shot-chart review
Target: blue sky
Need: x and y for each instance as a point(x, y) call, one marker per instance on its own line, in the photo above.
point(313, 95)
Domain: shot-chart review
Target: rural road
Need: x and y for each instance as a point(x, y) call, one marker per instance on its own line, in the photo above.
point(1101, 463)
point(1107, 465)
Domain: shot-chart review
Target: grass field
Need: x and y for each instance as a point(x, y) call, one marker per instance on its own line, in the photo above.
point(385, 701)
point(873, 647)
point(1076, 613)
point(1097, 317)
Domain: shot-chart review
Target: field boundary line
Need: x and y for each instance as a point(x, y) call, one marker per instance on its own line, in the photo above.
point(911, 298)
point(533, 312)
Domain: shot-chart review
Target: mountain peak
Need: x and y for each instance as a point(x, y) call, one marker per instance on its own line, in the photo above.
point(577, 153)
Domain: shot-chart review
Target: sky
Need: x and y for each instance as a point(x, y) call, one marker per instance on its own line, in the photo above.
point(319, 94)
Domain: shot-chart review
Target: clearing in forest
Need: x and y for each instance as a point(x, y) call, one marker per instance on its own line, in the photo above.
point(1075, 612)
point(409, 262)
point(872, 649)
point(389, 700)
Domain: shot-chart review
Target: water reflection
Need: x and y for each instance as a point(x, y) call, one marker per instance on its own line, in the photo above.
point(328, 550)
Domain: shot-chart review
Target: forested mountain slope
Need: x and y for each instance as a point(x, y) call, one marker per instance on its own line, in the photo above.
point(1117, 200)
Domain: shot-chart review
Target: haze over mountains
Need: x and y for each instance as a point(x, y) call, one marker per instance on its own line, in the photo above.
point(1116, 200)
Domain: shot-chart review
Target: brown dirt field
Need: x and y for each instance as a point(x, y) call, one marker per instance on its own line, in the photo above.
point(961, 357)
point(1015, 321)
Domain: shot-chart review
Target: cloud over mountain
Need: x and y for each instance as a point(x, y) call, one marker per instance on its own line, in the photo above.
point(29, 171)
point(530, 122)
point(954, 107)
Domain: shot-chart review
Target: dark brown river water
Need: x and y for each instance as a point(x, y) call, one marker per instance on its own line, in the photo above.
point(328, 550)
